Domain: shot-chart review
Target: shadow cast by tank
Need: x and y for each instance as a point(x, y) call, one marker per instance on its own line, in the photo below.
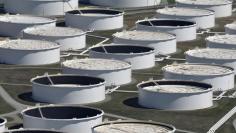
point(133, 102)
point(27, 96)
point(16, 126)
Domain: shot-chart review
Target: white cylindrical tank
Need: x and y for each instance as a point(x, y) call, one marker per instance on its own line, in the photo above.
point(12, 25)
point(230, 28)
point(3, 122)
point(68, 89)
point(65, 118)
point(138, 56)
point(221, 41)
point(203, 18)
point(31, 131)
point(175, 95)
point(225, 57)
point(95, 19)
point(133, 127)
point(184, 30)
point(222, 8)
point(126, 3)
point(220, 77)
point(163, 43)
point(29, 52)
point(68, 38)
point(113, 71)
point(40, 7)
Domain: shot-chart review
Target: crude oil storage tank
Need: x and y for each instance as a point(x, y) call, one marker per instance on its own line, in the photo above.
point(113, 71)
point(95, 19)
point(68, 89)
point(225, 57)
point(220, 77)
point(175, 95)
point(65, 118)
point(67, 38)
point(230, 28)
point(133, 127)
point(126, 3)
point(31, 131)
point(40, 7)
point(222, 8)
point(3, 122)
point(184, 30)
point(29, 52)
point(203, 18)
point(12, 25)
point(139, 57)
point(163, 43)
point(221, 41)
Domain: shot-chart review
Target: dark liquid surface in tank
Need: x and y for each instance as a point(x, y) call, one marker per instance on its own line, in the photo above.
point(122, 49)
point(166, 23)
point(63, 112)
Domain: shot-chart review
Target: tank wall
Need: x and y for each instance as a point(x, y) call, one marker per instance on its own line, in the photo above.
point(22, 57)
point(14, 30)
point(222, 83)
point(220, 45)
point(94, 22)
point(175, 101)
point(200, 20)
point(160, 47)
point(71, 126)
point(142, 61)
point(2, 128)
point(68, 95)
point(112, 77)
point(66, 43)
point(126, 3)
point(220, 10)
point(229, 63)
point(229, 31)
point(74, 43)
point(182, 34)
point(40, 8)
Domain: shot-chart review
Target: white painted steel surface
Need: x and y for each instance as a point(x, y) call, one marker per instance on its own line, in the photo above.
point(40, 7)
point(29, 52)
point(95, 19)
point(230, 28)
point(163, 43)
point(220, 77)
point(118, 74)
point(133, 126)
point(203, 18)
point(223, 57)
point(138, 56)
point(31, 131)
point(175, 100)
point(222, 8)
point(3, 122)
point(67, 38)
point(221, 41)
point(65, 118)
point(68, 89)
point(126, 3)
point(12, 25)
point(184, 30)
